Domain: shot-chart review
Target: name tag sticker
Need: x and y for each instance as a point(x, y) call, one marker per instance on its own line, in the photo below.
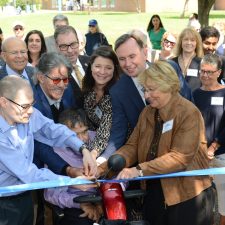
point(217, 101)
point(167, 126)
point(98, 112)
point(192, 72)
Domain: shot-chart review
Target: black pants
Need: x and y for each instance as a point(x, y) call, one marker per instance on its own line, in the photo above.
point(71, 217)
point(17, 210)
point(196, 211)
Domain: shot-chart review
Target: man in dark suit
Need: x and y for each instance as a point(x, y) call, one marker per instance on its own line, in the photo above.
point(127, 95)
point(53, 95)
point(14, 54)
point(67, 42)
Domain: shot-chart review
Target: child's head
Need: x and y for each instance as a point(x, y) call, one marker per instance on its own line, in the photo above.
point(76, 120)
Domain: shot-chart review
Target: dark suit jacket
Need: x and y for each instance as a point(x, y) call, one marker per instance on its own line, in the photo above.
point(185, 90)
point(44, 154)
point(29, 70)
point(84, 60)
point(127, 105)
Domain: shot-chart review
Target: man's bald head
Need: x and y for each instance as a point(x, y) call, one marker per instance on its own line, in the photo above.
point(11, 85)
point(14, 53)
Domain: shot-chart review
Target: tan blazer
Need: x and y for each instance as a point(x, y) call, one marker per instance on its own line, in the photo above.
point(182, 147)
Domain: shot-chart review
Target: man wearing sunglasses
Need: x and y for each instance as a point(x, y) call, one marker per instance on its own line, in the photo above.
point(19, 29)
point(53, 95)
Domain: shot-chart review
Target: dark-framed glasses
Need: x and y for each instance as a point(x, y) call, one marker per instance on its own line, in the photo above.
point(24, 106)
point(58, 80)
point(207, 72)
point(73, 45)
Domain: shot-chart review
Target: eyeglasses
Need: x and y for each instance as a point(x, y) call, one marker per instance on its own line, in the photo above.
point(91, 25)
point(65, 47)
point(18, 28)
point(169, 42)
point(24, 106)
point(16, 53)
point(58, 80)
point(207, 72)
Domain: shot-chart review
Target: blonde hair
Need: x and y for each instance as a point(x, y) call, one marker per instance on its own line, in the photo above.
point(163, 74)
point(190, 32)
point(165, 36)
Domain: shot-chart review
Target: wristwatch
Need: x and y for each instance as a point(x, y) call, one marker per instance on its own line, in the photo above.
point(82, 147)
point(139, 171)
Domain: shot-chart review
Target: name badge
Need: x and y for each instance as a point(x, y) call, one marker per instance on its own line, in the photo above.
point(192, 72)
point(167, 126)
point(217, 101)
point(98, 112)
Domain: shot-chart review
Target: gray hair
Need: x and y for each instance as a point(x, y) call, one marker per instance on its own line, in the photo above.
point(64, 30)
point(212, 59)
point(60, 17)
point(11, 85)
point(51, 60)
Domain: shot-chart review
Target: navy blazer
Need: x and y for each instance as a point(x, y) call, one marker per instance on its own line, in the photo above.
point(185, 90)
point(29, 70)
point(127, 105)
point(44, 154)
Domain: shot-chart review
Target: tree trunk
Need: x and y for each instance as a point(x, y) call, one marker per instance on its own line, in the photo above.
point(184, 9)
point(204, 7)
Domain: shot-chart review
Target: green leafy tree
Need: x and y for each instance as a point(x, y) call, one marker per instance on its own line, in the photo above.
point(3, 2)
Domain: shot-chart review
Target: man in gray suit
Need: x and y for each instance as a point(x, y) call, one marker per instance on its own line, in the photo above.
point(58, 20)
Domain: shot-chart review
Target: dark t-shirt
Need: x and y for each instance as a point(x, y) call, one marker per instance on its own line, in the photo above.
point(212, 106)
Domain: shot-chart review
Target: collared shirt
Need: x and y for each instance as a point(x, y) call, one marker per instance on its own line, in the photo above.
point(63, 197)
point(13, 72)
point(78, 63)
point(52, 101)
point(17, 148)
point(139, 88)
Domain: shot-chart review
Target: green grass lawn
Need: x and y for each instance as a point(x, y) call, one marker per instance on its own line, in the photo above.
point(112, 24)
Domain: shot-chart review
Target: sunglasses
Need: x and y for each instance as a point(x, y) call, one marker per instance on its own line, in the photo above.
point(92, 26)
point(169, 42)
point(58, 80)
point(18, 28)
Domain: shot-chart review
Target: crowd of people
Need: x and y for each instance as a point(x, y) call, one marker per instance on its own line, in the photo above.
point(69, 101)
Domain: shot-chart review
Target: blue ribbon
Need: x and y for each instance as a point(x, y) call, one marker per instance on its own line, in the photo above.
point(66, 181)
